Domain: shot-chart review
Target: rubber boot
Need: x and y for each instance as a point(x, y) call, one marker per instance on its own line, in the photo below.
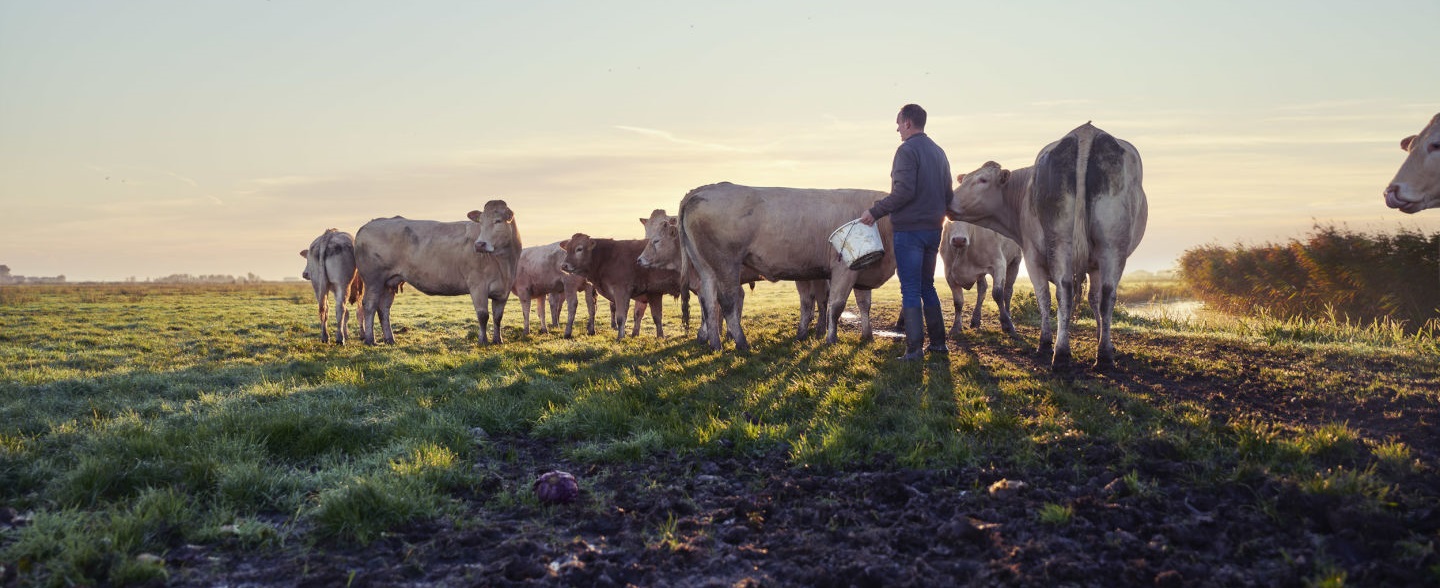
point(914, 335)
point(935, 325)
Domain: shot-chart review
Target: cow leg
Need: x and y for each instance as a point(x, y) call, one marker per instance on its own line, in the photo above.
point(657, 305)
point(540, 312)
point(1103, 285)
point(957, 296)
point(387, 298)
point(730, 305)
point(822, 303)
point(1012, 271)
point(685, 310)
point(807, 308)
point(1065, 300)
point(525, 312)
point(590, 306)
point(640, 305)
point(980, 286)
point(340, 314)
point(497, 310)
point(1041, 282)
point(841, 281)
point(571, 301)
point(556, 298)
point(862, 303)
point(621, 305)
point(369, 302)
point(320, 299)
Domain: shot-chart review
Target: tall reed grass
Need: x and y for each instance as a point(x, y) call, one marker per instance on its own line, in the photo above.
point(1334, 273)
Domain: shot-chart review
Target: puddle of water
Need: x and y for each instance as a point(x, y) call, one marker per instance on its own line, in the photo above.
point(1177, 310)
point(851, 319)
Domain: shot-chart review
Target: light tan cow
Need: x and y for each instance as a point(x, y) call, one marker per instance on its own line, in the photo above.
point(1079, 209)
point(1416, 186)
point(330, 267)
point(479, 257)
point(662, 250)
point(971, 252)
point(783, 234)
point(540, 277)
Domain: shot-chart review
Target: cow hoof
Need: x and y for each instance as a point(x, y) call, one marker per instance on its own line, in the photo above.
point(1104, 363)
point(1060, 362)
point(974, 324)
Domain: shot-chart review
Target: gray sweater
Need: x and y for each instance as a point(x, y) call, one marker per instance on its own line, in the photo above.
point(920, 187)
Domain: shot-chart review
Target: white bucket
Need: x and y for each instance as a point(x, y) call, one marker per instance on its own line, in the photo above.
point(859, 244)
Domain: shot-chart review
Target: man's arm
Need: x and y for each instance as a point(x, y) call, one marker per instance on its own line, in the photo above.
point(903, 174)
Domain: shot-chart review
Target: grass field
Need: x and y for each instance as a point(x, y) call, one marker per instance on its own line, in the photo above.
point(137, 419)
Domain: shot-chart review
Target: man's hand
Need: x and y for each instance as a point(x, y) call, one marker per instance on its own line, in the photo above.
point(866, 219)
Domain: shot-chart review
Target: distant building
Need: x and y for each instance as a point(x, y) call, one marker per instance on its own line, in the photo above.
point(7, 278)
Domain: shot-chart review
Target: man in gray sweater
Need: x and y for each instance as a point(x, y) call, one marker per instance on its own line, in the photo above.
point(920, 192)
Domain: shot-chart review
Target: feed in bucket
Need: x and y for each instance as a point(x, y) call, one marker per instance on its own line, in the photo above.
point(859, 244)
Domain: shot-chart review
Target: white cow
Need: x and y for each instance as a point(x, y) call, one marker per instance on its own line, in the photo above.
point(1416, 186)
point(970, 253)
point(330, 267)
point(479, 257)
point(1080, 209)
point(540, 277)
point(782, 234)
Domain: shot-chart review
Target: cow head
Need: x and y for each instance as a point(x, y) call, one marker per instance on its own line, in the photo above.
point(496, 232)
point(960, 234)
point(305, 253)
point(978, 191)
point(1416, 186)
point(578, 249)
point(662, 241)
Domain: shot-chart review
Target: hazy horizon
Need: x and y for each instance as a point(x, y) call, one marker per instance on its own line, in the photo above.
point(145, 139)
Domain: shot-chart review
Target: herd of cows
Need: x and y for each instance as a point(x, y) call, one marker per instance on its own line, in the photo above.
point(1076, 215)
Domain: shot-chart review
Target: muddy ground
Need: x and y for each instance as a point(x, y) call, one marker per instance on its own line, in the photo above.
point(758, 520)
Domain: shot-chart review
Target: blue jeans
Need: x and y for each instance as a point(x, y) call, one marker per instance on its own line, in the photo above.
point(915, 253)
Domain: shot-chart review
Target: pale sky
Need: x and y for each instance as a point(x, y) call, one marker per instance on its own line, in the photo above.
point(148, 138)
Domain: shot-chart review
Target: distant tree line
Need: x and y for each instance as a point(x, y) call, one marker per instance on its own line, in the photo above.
point(1333, 272)
point(249, 278)
point(7, 278)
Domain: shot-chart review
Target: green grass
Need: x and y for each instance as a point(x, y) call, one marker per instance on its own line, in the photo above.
point(136, 418)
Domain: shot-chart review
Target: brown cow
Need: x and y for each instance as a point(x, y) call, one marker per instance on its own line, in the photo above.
point(782, 233)
point(540, 277)
point(1416, 186)
point(611, 265)
point(970, 253)
point(479, 257)
point(662, 250)
point(330, 267)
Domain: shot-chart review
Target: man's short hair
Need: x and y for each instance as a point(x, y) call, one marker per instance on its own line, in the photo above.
point(914, 114)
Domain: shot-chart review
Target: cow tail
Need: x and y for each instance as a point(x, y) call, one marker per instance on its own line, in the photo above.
point(1079, 236)
point(357, 287)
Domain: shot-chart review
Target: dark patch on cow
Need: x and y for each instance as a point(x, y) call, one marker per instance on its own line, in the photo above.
point(414, 239)
point(1107, 166)
point(1054, 180)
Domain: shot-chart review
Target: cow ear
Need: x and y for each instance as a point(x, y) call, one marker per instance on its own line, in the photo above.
point(509, 215)
point(960, 179)
point(673, 221)
point(565, 245)
point(1004, 176)
point(643, 221)
point(1405, 143)
point(305, 253)
point(474, 215)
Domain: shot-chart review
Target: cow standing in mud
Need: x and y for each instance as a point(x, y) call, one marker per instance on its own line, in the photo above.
point(970, 253)
point(330, 267)
point(1080, 209)
point(479, 257)
point(783, 234)
point(1416, 186)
